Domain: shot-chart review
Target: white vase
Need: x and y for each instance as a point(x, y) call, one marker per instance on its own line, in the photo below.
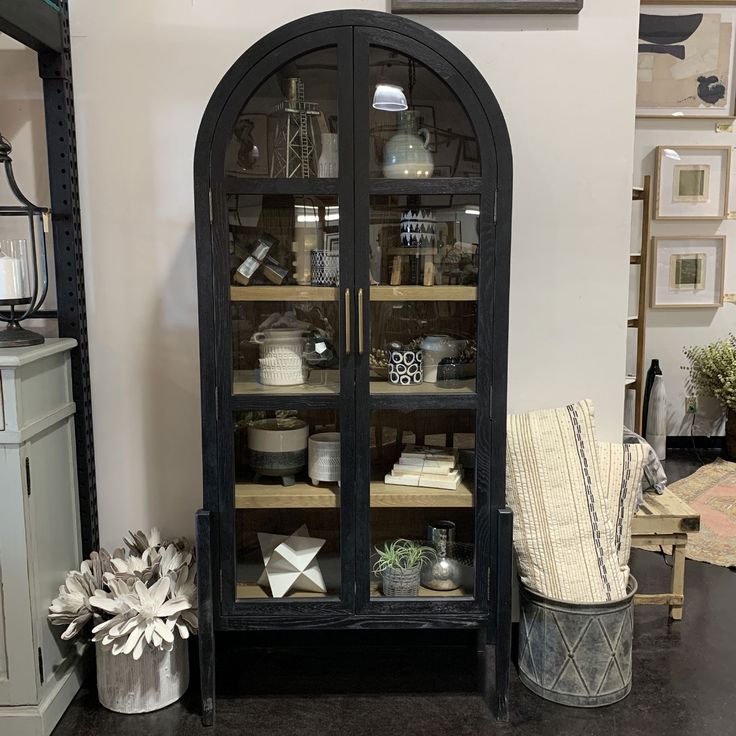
point(327, 165)
point(157, 679)
point(657, 418)
point(406, 155)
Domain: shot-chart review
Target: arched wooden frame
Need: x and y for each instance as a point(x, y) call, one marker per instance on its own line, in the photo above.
point(353, 32)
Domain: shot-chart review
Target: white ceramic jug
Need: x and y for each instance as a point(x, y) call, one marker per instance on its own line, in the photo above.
point(406, 155)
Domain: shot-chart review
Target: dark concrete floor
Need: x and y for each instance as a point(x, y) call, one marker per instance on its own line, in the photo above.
point(424, 683)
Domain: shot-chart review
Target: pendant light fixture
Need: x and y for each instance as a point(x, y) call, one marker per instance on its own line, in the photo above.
point(389, 97)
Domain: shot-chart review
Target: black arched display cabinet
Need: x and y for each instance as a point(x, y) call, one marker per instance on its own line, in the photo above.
point(353, 184)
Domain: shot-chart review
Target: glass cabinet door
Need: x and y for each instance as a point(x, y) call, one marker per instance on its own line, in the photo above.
point(419, 236)
point(288, 355)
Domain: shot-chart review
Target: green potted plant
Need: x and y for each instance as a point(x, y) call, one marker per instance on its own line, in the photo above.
point(399, 564)
point(713, 373)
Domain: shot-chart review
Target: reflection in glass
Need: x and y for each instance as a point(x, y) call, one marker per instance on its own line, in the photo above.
point(288, 128)
point(424, 240)
point(284, 264)
point(279, 502)
point(427, 133)
point(422, 479)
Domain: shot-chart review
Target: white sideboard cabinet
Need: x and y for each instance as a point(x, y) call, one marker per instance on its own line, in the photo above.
point(39, 535)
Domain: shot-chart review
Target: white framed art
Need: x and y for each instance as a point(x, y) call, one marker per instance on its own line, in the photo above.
point(686, 59)
point(688, 271)
point(692, 182)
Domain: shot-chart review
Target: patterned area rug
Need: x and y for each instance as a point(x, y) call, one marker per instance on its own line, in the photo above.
point(711, 491)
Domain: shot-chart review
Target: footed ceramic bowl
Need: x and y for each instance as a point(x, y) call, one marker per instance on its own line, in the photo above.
point(278, 447)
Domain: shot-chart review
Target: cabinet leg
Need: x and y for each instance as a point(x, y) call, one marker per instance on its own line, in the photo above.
point(206, 618)
point(503, 611)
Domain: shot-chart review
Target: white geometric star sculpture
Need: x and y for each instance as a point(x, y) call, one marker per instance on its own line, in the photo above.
point(290, 562)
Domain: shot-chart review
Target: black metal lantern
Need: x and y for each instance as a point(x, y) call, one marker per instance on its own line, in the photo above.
point(24, 277)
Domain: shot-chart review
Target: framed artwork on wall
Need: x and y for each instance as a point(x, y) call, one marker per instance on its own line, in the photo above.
point(688, 271)
point(485, 6)
point(686, 59)
point(692, 182)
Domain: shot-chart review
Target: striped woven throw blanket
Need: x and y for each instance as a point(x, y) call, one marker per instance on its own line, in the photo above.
point(572, 501)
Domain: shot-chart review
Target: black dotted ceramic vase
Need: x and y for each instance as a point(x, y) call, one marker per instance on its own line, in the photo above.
point(405, 367)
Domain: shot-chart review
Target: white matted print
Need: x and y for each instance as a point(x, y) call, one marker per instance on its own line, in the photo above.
point(692, 182)
point(688, 271)
point(686, 60)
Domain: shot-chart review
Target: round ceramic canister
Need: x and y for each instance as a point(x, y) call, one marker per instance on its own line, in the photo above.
point(324, 457)
point(405, 366)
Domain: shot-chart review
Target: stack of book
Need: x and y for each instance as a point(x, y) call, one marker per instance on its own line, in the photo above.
point(426, 467)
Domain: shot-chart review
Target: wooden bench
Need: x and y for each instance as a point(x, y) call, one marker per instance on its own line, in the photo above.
point(665, 521)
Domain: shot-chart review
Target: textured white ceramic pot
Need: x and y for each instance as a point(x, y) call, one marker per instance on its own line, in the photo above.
point(157, 679)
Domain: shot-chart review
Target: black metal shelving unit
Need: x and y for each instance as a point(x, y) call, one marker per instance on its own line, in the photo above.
point(226, 603)
point(43, 26)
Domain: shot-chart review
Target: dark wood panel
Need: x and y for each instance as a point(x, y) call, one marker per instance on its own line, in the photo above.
point(252, 185)
point(417, 7)
point(438, 185)
point(32, 22)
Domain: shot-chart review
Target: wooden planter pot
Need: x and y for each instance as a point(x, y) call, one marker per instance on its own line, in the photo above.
point(156, 680)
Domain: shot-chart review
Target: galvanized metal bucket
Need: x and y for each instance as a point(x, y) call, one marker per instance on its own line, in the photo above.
point(575, 653)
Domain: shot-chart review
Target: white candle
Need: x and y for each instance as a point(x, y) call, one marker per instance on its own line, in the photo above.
point(11, 278)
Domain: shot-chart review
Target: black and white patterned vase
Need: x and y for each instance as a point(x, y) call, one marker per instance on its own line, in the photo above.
point(405, 367)
point(418, 228)
point(325, 268)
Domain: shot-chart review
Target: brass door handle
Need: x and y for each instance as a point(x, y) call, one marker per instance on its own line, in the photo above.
point(360, 321)
point(347, 322)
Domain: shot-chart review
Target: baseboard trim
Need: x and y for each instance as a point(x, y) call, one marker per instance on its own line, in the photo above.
point(700, 442)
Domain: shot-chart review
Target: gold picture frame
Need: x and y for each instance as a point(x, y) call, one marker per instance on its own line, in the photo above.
point(673, 203)
point(687, 272)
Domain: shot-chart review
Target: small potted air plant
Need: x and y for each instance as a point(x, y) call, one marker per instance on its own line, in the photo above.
point(399, 564)
point(140, 606)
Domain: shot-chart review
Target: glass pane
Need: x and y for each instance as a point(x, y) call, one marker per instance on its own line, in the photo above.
point(431, 136)
point(288, 128)
point(287, 501)
point(284, 297)
point(422, 478)
point(423, 313)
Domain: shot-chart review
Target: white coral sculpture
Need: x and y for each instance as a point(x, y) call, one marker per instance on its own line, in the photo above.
point(138, 599)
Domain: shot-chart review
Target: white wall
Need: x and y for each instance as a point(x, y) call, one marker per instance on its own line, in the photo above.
point(143, 74)
point(670, 330)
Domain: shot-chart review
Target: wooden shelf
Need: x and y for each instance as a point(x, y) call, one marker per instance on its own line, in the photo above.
point(249, 573)
point(460, 592)
point(384, 388)
point(319, 382)
point(283, 293)
point(629, 381)
point(304, 495)
point(423, 293)
point(330, 293)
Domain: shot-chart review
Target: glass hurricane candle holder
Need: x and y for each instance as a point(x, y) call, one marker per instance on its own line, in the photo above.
point(23, 261)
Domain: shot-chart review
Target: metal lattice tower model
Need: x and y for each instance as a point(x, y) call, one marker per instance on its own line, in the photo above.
point(294, 152)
